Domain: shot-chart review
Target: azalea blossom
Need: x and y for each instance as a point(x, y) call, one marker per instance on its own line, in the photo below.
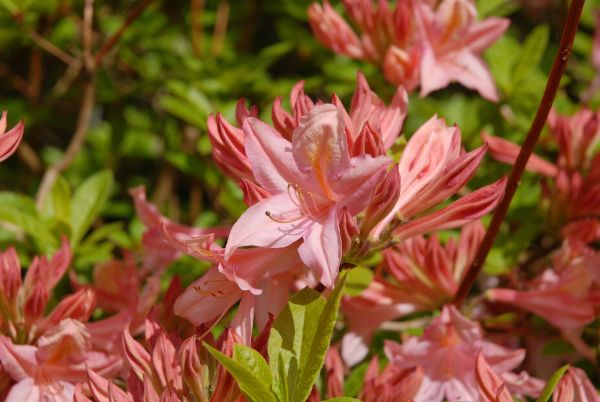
point(566, 295)
point(259, 279)
point(575, 386)
point(9, 140)
point(426, 43)
point(370, 126)
point(572, 184)
point(50, 370)
point(447, 353)
point(432, 168)
point(311, 180)
point(421, 274)
point(162, 367)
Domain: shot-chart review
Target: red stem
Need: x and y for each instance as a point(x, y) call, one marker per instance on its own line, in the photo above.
point(558, 69)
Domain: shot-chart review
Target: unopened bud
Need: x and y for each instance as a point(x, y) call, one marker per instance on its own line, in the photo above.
point(368, 142)
point(253, 193)
point(348, 230)
point(78, 306)
point(36, 303)
point(384, 198)
point(194, 370)
point(10, 275)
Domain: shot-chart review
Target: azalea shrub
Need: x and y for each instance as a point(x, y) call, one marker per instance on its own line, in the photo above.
point(300, 200)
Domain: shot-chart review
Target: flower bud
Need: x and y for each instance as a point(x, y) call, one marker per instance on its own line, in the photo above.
point(36, 303)
point(368, 142)
point(348, 230)
point(401, 67)
point(78, 306)
point(253, 193)
point(194, 370)
point(10, 276)
point(384, 198)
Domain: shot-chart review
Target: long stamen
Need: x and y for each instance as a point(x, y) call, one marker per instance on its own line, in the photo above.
point(278, 220)
point(290, 195)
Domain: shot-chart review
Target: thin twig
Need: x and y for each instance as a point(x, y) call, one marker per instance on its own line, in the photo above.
point(197, 7)
point(112, 41)
point(51, 48)
point(220, 28)
point(85, 110)
point(558, 69)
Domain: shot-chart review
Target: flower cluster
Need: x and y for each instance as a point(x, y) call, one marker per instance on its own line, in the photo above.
point(417, 43)
point(334, 194)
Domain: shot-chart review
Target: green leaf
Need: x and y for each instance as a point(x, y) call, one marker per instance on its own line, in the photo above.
point(531, 53)
point(9, 6)
point(359, 279)
point(551, 384)
point(294, 328)
point(251, 385)
point(21, 212)
point(250, 358)
point(87, 203)
point(342, 399)
point(58, 204)
point(312, 361)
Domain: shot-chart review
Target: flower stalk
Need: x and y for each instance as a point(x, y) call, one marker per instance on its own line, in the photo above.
point(558, 69)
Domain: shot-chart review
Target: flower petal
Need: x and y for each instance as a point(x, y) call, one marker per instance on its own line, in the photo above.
point(322, 249)
point(274, 222)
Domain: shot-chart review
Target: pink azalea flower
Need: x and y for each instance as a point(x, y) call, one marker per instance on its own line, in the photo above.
point(575, 386)
point(432, 168)
point(453, 41)
point(491, 387)
point(311, 180)
point(423, 276)
point(390, 385)
point(561, 295)
point(157, 253)
point(164, 368)
point(23, 302)
point(369, 120)
point(49, 371)
point(431, 43)
point(572, 184)
point(248, 277)
point(447, 353)
point(9, 140)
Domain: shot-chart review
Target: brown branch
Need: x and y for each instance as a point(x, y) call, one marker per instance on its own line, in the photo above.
point(83, 122)
point(558, 69)
point(220, 28)
point(50, 47)
point(197, 7)
point(85, 110)
point(114, 39)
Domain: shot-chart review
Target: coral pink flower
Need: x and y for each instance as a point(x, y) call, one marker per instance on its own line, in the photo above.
point(575, 386)
point(560, 295)
point(157, 253)
point(423, 276)
point(259, 279)
point(312, 179)
point(369, 119)
point(491, 386)
point(431, 43)
point(48, 371)
point(22, 303)
point(452, 42)
point(9, 140)
point(391, 385)
point(447, 353)
point(572, 187)
point(432, 168)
